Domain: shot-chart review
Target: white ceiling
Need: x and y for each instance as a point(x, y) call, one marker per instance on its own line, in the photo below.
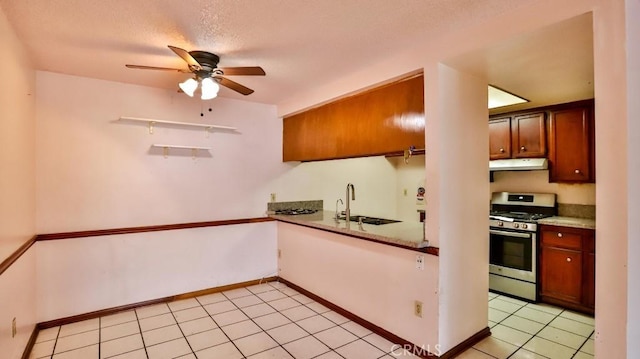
point(551, 65)
point(300, 44)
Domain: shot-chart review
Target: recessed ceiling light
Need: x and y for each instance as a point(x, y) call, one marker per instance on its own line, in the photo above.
point(501, 98)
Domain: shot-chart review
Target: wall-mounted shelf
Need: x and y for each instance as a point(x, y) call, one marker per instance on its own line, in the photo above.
point(152, 122)
point(194, 149)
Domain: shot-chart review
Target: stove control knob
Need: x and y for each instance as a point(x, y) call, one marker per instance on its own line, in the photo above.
point(516, 225)
point(524, 226)
point(500, 224)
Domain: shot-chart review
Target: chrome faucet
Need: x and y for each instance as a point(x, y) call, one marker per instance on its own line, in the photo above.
point(347, 210)
point(337, 213)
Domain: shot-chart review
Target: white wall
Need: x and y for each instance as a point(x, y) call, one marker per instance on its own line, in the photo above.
point(94, 172)
point(612, 153)
point(330, 265)
point(17, 142)
point(538, 181)
point(378, 181)
point(81, 275)
point(17, 190)
point(409, 176)
point(458, 193)
point(18, 298)
point(633, 114)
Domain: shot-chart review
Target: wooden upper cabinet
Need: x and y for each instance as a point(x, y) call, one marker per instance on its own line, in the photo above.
point(517, 136)
point(571, 144)
point(528, 136)
point(500, 138)
point(383, 121)
point(563, 133)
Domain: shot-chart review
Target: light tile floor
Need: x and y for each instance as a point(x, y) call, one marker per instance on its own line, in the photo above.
point(274, 321)
point(521, 330)
point(264, 321)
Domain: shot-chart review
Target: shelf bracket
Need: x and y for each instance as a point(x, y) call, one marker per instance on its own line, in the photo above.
point(165, 152)
point(151, 123)
point(194, 153)
point(207, 131)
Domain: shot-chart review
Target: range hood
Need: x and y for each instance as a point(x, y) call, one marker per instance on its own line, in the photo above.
point(519, 164)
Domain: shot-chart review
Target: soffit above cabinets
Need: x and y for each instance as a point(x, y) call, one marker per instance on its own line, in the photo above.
point(550, 66)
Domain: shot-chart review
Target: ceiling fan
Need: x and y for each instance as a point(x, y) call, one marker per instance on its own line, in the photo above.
point(204, 65)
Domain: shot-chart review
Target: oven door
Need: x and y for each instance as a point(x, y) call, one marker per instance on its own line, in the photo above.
point(513, 254)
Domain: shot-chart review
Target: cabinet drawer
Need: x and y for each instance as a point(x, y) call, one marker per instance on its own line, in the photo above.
point(562, 239)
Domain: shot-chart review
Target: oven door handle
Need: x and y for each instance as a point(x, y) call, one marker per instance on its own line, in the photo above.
point(510, 234)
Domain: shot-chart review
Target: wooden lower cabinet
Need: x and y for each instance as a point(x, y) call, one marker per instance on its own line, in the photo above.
point(567, 267)
point(562, 274)
point(590, 278)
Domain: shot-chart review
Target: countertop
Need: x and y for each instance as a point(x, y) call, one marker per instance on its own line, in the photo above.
point(403, 234)
point(569, 222)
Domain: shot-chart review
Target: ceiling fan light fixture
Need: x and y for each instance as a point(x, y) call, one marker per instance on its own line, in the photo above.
point(209, 88)
point(189, 86)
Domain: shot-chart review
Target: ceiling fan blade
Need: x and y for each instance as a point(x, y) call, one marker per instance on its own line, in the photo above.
point(243, 71)
point(156, 68)
point(234, 85)
point(193, 64)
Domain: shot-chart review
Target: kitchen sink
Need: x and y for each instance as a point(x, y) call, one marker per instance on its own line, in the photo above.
point(370, 220)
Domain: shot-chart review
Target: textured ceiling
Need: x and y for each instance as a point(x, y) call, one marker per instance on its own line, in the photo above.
point(299, 43)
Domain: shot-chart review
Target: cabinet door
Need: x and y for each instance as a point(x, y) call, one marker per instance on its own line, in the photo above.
point(561, 274)
point(528, 136)
point(571, 145)
point(589, 270)
point(500, 138)
point(382, 121)
point(590, 280)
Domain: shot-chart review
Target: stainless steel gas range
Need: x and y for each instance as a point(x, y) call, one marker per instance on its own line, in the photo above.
point(514, 241)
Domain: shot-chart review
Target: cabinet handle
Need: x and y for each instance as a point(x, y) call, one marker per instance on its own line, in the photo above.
point(502, 150)
point(522, 149)
point(568, 259)
point(577, 171)
point(559, 235)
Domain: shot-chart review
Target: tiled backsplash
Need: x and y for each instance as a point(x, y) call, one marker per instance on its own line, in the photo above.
point(276, 206)
point(577, 210)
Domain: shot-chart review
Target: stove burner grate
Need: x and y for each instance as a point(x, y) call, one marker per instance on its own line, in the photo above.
point(296, 211)
point(522, 216)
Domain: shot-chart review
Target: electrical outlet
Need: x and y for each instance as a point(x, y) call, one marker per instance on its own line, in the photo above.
point(420, 262)
point(417, 309)
point(273, 197)
point(14, 328)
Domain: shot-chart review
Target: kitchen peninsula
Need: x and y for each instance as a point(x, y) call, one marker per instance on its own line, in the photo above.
point(409, 235)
